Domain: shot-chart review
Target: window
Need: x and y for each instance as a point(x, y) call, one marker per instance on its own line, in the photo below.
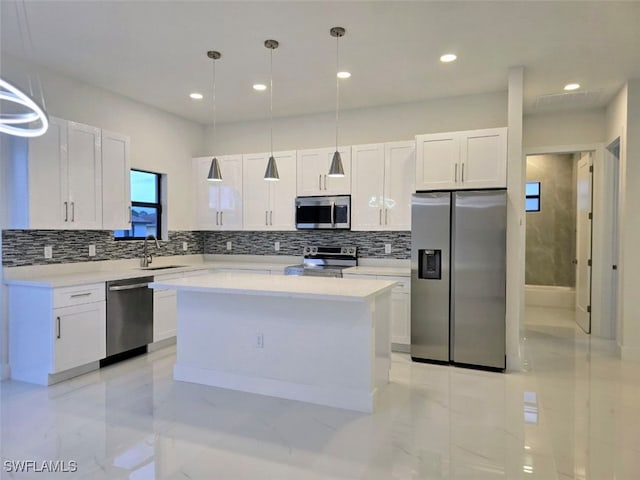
point(146, 209)
point(532, 202)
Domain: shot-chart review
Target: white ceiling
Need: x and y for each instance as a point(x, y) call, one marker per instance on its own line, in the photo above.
point(155, 51)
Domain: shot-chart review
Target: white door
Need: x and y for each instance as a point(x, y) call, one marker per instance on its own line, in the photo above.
point(282, 194)
point(85, 177)
point(312, 165)
point(48, 178)
point(583, 243)
point(230, 192)
point(437, 158)
point(205, 196)
point(367, 187)
point(116, 181)
point(79, 335)
point(483, 156)
point(399, 184)
point(165, 314)
point(256, 200)
point(338, 185)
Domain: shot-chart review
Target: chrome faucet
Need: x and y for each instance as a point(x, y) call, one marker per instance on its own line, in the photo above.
point(147, 258)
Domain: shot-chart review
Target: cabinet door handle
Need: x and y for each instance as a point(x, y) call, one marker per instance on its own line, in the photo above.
point(271, 217)
point(73, 211)
point(265, 217)
point(325, 182)
point(386, 216)
point(320, 182)
point(455, 178)
point(463, 173)
point(217, 217)
point(380, 217)
point(130, 218)
point(76, 295)
point(58, 327)
point(66, 211)
point(221, 218)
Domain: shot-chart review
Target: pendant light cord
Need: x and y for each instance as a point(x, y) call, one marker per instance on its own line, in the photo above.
point(271, 99)
point(29, 52)
point(214, 108)
point(337, 87)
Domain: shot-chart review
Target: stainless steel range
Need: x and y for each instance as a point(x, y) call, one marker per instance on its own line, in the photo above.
point(324, 261)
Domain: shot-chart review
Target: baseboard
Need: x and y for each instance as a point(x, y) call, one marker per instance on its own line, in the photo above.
point(160, 344)
point(630, 353)
point(332, 396)
point(549, 296)
point(400, 347)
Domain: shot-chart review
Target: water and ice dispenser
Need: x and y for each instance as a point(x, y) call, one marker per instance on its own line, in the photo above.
point(429, 264)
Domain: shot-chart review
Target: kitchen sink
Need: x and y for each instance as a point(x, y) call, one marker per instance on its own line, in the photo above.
point(163, 267)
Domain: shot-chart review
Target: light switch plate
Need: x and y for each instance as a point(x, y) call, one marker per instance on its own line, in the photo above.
point(48, 252)
point(387, 248)
point(185, 246)
point(276, 246)
point(92, 250)
point(228, 245)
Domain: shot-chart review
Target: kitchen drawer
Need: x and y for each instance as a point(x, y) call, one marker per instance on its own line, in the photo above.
point(403, 285)
point(78, 295)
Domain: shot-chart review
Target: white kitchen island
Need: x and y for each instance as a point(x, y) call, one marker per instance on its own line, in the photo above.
point(318, 340)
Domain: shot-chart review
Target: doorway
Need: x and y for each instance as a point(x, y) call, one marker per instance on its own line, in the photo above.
point(558, 233)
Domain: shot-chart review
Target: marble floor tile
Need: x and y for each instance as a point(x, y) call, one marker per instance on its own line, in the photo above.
point(572, 413)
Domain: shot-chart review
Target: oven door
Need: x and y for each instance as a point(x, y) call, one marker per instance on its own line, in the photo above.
point(323, 213)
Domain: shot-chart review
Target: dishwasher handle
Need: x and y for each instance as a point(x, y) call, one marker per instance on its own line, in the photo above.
point(128, 287)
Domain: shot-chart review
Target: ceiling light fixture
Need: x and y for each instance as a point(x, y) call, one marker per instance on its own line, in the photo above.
point(336, 169)
point(215, 175)
point(448, 57)
point(344, 75)
point(572, 86)
point(196, 96)
point(259, 87)
point(271, 173)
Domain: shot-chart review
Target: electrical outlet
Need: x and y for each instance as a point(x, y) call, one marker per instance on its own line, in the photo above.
point(92, 250)
point(228, 245)
point(276, 246)
point(259, 340)
point(387, 248)
point(48, 252)
point(185, 246)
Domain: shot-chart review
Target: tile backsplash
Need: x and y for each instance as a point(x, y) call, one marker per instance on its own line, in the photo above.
point(26, 247)
point(370, 244)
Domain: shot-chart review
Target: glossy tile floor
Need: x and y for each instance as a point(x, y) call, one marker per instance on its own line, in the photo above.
point(573, 414)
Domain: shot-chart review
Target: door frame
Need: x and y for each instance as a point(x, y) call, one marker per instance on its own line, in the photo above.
point(602, 325)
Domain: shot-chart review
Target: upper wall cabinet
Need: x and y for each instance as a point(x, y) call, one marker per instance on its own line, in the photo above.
point(269, 205)
point(462, 160)
point(116, 181)
point(55, 181)
point(218, 205)
point(381, 186)
point(313, 169)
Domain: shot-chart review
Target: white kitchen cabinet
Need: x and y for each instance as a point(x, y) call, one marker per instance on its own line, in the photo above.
point(269, 205)
point(79, 335)
point(313, 169)
point(55, 181)
point(218, 205)
point(116, 180)
point(165, 313)
point(381, 187)
point(400, 309)
point(462, 160)
point(55, 333)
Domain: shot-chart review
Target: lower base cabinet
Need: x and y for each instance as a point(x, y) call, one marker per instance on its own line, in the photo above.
point(165, 313)
point(80, 335)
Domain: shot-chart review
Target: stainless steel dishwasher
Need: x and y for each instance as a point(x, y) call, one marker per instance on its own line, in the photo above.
point(129, 314)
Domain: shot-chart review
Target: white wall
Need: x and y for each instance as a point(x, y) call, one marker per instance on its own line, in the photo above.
point(160, 142)
point(366, 125)
point(564, 128)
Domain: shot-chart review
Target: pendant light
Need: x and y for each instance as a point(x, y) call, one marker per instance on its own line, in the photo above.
point(214, 170)
point(271, 173)
point(336, 169)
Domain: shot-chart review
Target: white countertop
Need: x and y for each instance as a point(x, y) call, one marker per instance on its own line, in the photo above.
point(279, 286)
point(381, 271)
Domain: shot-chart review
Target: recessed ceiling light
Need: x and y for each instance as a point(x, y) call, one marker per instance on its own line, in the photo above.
point(344, 74)
point(448, 57)
point(196, 96)
point(572, 86)
point(260, 87)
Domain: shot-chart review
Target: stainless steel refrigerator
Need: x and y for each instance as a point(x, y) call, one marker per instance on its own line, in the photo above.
point(458, 275)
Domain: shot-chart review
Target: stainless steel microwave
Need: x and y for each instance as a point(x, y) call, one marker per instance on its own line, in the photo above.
point(332, 213)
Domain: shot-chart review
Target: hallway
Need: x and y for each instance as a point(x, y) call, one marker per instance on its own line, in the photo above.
point(572, 415)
